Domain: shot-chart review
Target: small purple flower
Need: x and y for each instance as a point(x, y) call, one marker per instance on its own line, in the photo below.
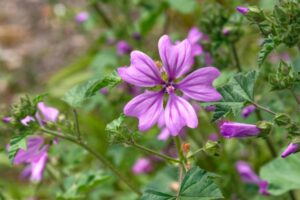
point(6, 120)
point(238, 130)
point(82, 17)
point(25, 121)
point(248, 110)
point(48, 113)
point(249, 176)
point(149, 106)
point(142, 165)
point(123, 48)
point(292, 148)
point(35, 156)
point(243, 10)
point(226, 31)
point(194, 37)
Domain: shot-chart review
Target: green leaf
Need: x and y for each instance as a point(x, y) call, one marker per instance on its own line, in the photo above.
point(266, 48)
point(197, 184)
point(235, 93)
point(77, 95)
point(79, 185)
point(282, 174)
point(183, 6)
point(16, 142)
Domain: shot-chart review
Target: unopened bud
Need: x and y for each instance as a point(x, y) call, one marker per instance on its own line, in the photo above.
point(265, 127)
point(175, 186)
point(186, 148)
point(211, 147)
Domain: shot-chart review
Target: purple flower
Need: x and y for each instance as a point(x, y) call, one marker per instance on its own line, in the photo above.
point(226, 31)
point(249, 176)
point(248, 110)
point(25, 121)
point(35, 156)
point(6, 120)
point(48, 113)
point(194, 36)
point(292, 148)
point(123, 48)
point(81, 17)
point(142, 165)
point(148, 106)
point(243, 10)
point(238, 130)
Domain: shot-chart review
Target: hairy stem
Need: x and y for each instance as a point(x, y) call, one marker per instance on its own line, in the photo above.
point(263, 108)
point(101, 158)
point(77, 124)
point(152, 152)
point(295, 96)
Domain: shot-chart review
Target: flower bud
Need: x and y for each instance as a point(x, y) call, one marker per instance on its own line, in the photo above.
point(292, 148)
point(211, 147)
point(282, 119)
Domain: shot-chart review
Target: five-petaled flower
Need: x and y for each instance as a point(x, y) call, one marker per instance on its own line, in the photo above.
point(176, 61)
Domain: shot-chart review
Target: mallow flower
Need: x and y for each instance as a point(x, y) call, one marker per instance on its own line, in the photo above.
point(194, 37)
point(176, 62)
point(238, 130)
point(291, 148)
point(35, 156)
point(142, 165)
point(249, 176)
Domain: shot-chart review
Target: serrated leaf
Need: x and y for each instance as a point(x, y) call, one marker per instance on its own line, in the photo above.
point(266, 48)
point(16, 142)
point(235, 93)
point(79, 185)
point(81, 93)
point(282, 174)
point(196, 185)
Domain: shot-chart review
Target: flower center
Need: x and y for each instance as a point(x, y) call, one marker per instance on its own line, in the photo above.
point(169, 88)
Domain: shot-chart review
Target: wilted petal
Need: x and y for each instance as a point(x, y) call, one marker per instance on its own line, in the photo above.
point(25, 121)
point(292, 148)
point(179, 113)
point(198, 85)
point(235, 129)
point(176, 58)
point(49, 113)
point(147, 107)
point(142, 72)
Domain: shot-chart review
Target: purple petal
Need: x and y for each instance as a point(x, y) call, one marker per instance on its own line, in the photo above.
point(194, 35)
point(49, 113)
point(6, 119)
point(82, 17)
point(176, 58)
point(33, 151)
point(164, 134)
point(25, 121)
point(246, 172)
point(142, 165)
point(142, 72)
point(38, 167)
point(147, 107)
point(235, 129)
point(243, 10)
point(198, 85)
point(179, 113)
point(263, 187)
point(292, 148)
point(248, 110)
point(123, 48)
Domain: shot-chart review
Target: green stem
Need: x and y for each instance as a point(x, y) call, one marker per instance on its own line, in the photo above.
point(295, 96)
point(236, 58)
point(101, 158)
point(77, 124)
point(264, 108)
point(102, 14)
point(152, 152)
point(195, 152)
